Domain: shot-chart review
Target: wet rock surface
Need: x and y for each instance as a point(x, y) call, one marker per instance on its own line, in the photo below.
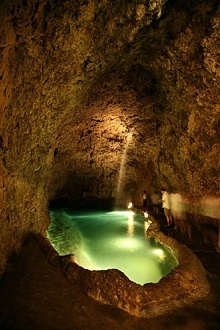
point(36, 295)
point(84, 83)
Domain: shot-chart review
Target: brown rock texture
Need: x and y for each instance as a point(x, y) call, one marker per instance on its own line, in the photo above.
point(86, 86)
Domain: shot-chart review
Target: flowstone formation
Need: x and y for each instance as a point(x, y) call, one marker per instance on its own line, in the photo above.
point(83, 84)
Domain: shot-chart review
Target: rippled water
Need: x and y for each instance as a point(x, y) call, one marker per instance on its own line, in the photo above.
point(103, 240)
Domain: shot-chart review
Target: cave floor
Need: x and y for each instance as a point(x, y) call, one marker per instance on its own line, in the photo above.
point(34, 295)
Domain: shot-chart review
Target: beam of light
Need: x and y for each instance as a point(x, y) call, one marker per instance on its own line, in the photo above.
point(122, 170)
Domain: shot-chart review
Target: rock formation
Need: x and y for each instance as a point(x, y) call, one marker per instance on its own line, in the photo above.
point(185, 284)
point(83, 83)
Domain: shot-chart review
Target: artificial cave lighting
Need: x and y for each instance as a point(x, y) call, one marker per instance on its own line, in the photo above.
point(147, 224)
point(101, 240)
point(145, 214)
point(130, 205)
point(159, 253)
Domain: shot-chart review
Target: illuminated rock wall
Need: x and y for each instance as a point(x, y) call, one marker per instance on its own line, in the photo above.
point(85, 87)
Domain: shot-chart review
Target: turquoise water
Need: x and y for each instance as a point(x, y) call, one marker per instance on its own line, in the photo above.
point(103, 240)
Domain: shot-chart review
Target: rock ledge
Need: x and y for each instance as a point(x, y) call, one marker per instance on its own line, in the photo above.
point(186, 283)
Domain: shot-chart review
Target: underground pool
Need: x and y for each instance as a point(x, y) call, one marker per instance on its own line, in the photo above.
point(110, 239)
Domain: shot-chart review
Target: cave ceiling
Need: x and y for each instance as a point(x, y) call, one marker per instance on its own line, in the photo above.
point(85, 82)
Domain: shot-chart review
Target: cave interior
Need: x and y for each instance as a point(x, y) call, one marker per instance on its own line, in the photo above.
point(101, 100)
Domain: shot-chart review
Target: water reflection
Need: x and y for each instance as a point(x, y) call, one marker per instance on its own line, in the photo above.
point(130, 225)
point(106, 240)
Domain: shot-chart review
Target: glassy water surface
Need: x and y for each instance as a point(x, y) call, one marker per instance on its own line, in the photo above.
point(103, 240)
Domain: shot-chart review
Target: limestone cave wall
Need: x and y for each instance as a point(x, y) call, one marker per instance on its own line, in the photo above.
point(100, 100)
